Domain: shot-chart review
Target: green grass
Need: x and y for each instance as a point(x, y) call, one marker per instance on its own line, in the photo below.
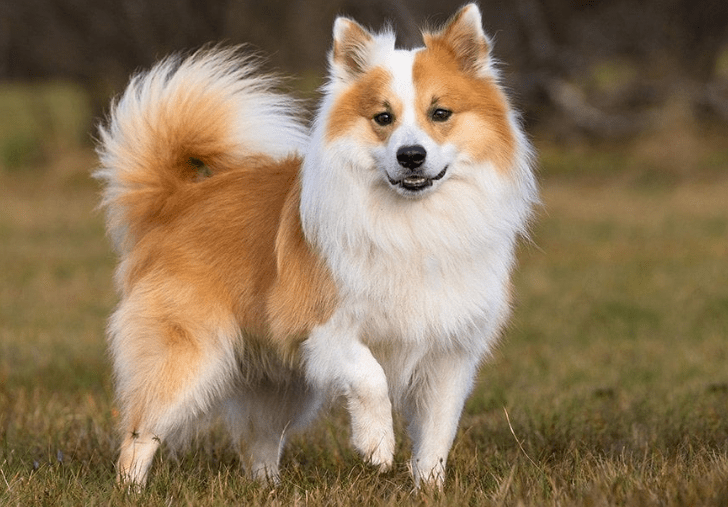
point(609, 388)
point(38, 120)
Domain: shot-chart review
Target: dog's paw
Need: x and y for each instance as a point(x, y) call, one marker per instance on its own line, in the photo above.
point(428, 476)
point(376, 444)
point(383, 457)
point(265, 475)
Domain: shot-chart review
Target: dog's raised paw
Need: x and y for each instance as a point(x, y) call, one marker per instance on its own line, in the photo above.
point(377, 447)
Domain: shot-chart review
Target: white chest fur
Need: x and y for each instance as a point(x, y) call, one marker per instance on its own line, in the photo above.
point(432, 271)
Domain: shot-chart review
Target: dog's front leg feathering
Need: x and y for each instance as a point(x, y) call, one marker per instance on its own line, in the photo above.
point(433, 411)
point(337, 361)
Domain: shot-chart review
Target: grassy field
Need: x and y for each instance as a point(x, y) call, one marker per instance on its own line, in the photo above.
point(609, 388)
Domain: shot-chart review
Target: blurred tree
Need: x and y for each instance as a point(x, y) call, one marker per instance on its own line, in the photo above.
point(99, 42)
point(549, 45)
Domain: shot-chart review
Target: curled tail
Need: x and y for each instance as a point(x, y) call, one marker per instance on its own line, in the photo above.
point(210, 110)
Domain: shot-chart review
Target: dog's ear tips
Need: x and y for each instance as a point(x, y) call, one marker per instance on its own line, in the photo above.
point(463, 34)
point(471, 14)
point(351, 46)
point(345, 27)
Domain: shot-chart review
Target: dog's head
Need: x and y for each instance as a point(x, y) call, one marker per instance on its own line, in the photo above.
point(418, 117)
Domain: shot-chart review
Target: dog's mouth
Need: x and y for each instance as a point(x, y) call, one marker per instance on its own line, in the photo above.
point(416, 182)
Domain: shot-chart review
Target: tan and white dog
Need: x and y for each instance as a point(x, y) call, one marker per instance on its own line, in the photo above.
point(265, 269)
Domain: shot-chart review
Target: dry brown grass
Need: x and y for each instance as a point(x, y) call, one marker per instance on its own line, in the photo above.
point(614, 373)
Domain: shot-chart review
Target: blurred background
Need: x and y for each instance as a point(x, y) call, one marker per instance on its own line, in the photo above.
point(615, 367)
point(580, 70)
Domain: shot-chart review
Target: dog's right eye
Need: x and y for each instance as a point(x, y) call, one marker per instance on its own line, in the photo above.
point(441, 115)
point(384, 119)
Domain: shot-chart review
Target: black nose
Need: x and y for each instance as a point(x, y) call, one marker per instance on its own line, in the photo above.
point(411, 157)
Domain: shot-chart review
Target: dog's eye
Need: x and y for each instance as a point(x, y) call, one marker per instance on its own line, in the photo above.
point(384, 119)
point(440, 114)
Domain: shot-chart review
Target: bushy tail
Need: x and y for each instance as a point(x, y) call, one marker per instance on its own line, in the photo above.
point(210, 110)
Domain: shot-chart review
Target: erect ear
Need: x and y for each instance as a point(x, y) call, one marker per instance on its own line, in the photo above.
point(464, 37)
point(350, 55)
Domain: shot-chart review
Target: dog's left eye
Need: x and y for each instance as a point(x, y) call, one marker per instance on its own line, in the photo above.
point(440, 114)
point(384, 119)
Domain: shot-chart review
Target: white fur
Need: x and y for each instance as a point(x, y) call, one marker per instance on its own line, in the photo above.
point(399, 65)
point(422, 280)
point(424, 283)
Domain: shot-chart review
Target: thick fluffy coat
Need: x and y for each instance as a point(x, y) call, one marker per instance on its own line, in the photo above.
point(265, 269)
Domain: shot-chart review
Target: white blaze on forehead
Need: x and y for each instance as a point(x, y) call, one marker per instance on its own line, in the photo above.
point(399, 63)
point(407, 130)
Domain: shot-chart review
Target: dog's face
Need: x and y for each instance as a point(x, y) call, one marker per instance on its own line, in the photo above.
point(421, 116)
point(412, 151)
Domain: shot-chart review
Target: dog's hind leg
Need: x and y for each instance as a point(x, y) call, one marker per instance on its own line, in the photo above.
point(261, 417)
point(170, 369)
point(135, 458)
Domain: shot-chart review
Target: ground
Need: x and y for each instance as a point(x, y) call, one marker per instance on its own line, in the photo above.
point(609, 387)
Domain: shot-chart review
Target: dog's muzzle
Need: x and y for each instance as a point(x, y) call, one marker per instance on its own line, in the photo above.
point(411, 158)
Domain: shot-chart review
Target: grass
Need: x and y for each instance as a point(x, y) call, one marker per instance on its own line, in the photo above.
point(609, 388)
point(39, 119)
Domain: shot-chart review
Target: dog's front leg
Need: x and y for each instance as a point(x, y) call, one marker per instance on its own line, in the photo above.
point(337, 361)
point(434, 409)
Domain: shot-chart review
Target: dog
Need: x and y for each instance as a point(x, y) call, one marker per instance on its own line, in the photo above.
point(268, 267)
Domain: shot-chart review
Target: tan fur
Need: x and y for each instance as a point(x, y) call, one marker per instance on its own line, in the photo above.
point(218, 285)
point(224, 257)
point(303, 294)
point(479, 106)
point(349, 47)
point(365, 98)
point(236, 237)
point(460, 40)
point(196, 126)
